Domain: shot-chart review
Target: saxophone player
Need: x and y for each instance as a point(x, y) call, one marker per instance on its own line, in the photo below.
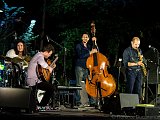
point(135, 71)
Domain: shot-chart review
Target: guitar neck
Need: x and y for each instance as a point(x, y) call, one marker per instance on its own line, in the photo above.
point(54, 62)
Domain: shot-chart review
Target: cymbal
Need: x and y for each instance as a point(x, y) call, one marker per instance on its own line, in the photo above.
point(27, 58)
point(5, 58)
point(17, 60)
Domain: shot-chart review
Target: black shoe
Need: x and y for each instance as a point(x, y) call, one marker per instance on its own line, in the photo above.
point(40, 104)
point(35, 111)
point(41, 108)
point(92, 105)
point(78, 103)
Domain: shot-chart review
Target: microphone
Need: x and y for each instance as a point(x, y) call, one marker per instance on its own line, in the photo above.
point(152, 47)
point(15, 36)
point(47, 38)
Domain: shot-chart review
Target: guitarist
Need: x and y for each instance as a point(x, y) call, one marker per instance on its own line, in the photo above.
point(34, 81)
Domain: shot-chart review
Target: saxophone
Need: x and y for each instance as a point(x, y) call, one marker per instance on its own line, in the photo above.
point(143, 66)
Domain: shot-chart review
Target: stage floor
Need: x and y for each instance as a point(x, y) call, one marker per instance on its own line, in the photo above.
point(63, 113)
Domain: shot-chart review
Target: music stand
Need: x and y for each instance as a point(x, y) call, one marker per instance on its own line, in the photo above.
point(119, 71)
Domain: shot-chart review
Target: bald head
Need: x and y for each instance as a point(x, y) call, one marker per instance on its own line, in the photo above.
point(135, 42)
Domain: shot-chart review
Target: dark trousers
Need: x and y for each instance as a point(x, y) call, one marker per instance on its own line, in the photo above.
point(49, 92)
point(134, 81)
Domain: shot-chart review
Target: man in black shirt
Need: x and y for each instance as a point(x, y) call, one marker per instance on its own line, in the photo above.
point(83, 51)
point(135, 67)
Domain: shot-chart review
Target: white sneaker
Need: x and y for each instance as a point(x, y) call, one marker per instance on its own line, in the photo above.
point(84, 105)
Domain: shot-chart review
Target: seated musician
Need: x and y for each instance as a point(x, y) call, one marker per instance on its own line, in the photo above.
point(37, 79)
point(19, 61)
point(19, 54)
point(20, 50)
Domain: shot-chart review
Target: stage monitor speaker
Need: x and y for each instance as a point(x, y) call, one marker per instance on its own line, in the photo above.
point(128, 100)
point(147, 111)
point(15, 97)
point(117, 103)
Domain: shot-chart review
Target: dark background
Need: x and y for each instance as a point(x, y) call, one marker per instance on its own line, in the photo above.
point(138, 13)
point(117, 21)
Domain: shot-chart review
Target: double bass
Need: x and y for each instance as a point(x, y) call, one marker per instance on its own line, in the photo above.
point(99, 82)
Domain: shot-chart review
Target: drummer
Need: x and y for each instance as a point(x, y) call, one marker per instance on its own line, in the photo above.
point(19, 61)
point(20, 50)
point(19, 53)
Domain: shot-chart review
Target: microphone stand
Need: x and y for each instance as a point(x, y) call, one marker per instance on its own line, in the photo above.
point(119, 70)
point(157, 76)
point(64, 58)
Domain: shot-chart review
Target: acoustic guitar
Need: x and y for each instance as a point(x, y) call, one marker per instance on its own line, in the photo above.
point(43, 73)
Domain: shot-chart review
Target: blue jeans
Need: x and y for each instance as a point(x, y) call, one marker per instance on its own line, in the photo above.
point(82, 96)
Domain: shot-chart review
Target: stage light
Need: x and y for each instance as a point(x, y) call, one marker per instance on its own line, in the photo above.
point(1, 66)
point(33, 21)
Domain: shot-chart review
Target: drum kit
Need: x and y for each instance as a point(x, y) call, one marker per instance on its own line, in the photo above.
point(13, 71)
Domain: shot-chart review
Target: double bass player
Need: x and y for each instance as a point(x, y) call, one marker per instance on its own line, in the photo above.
point(83, 51)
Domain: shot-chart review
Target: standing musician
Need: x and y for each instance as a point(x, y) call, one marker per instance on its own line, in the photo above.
point(83, 51)
point(135, 67)
point(34, 79)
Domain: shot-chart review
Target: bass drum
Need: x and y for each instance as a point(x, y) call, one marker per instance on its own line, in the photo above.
point(24, 76)
point(13, 72)
point(23, 66)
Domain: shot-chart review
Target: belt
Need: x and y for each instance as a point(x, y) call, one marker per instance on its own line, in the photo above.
point(134, 69)
point(138, 69)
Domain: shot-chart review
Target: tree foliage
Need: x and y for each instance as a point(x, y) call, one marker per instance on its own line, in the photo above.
point(116, 22)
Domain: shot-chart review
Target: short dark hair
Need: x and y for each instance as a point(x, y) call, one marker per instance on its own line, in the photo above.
point(48, 48)
point(85, 33)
